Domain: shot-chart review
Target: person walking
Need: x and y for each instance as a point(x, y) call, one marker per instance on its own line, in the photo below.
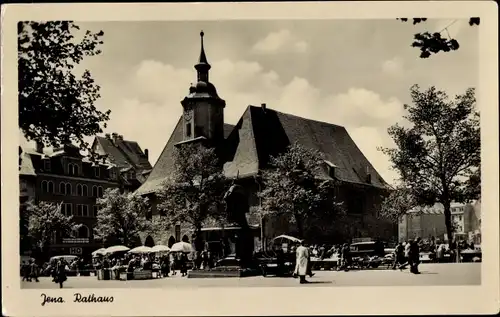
point(25, 271)
point(414, 256)
point(399, 256)
point(33, 271)
point(61, 276)
point(302, 256)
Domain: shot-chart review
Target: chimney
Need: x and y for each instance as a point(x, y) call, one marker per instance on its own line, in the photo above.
point(108, 136)
point(114, 136)
point(39, 147)
point(146, 152)
point(368, 175)
point(263, 106)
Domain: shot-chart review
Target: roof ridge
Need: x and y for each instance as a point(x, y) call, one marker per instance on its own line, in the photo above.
point(303, 118)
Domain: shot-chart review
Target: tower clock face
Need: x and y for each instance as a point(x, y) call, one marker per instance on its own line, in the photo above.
point(188, 114)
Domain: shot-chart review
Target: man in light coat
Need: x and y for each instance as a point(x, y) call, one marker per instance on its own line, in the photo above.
point(301, 263)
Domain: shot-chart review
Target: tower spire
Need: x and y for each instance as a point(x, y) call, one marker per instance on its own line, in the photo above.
point(203, 57)
point(203, 66)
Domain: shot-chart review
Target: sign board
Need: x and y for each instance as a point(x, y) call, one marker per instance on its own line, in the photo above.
point(75, 251)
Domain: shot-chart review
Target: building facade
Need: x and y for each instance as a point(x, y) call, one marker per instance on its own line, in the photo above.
point(64, 176)
point(427, 222)
point(245, 150)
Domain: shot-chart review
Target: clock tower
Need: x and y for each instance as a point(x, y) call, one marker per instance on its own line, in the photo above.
point(203, 109)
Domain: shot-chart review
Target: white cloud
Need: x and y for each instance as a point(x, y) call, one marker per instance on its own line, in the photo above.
point(393, 66)
point(151, 115)
point(281, 41)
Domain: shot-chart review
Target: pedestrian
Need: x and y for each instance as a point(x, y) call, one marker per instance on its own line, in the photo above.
point(399, 256)
point(183, 263)
point(309, 265)
point(61, 276)
point(25, 271)
point(33, 271)
point(414, 256)
point(172, 258)
point(302, 255)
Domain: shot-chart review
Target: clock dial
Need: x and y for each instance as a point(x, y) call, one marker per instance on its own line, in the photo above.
point(188, 114)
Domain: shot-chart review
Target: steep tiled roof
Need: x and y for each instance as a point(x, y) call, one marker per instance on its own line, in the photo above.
point(125, 153)
point(261, 133)
point(271, 132)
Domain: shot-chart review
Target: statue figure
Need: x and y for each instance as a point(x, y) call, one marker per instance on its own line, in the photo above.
point(236, 208)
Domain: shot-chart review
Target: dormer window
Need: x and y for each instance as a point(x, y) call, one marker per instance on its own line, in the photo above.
point(97, 171)
point(46, 165)
point(331, 168)
point(131, 174)
point(73, 169)
point(112, 173)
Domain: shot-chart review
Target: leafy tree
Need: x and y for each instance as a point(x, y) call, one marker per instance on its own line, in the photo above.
point(292, 187)
point(438, 156)
point(398, 203)
point(55, 106)
point(433, 43)
point(194, 193)
point(121, 217)
point(45, 219)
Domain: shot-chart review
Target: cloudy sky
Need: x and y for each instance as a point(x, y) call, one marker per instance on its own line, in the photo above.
point(355, 73)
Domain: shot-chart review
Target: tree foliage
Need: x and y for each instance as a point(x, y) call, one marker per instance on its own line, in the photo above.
point(293, 187)
point(195, 191)
point(433, 43)
point(438, 157)
point(45, 219)
point(56, 106)
point(398, 203)
point(121, 217)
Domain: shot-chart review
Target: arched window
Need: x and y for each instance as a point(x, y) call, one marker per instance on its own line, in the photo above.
point(45, 187)
point(79, 190)
point(62, 188)
point(85, 191)
point(74, 234)
point(50, 186)
point(94, 191)
point(68, 189)
point(100, 192)
point(83, 232)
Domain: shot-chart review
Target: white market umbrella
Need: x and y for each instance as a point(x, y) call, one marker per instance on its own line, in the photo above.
point(116, 248)
point(182, 247)
point(141, 249)
point(286, 237)
point(100, 251)
point(160, 248)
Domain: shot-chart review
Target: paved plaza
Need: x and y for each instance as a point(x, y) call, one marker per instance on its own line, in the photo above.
point(432, 274)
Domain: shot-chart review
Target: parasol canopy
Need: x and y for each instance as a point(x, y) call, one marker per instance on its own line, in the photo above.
point(160, 248)
point(67, 258)
point(141, 249)
point(285, 237)
point(182, 247)
point(116, 248)
point(98, 252)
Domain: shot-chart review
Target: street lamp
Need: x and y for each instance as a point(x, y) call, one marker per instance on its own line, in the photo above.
point(261, 217)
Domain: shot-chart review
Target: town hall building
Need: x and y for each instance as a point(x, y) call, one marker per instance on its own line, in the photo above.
point(245, 150)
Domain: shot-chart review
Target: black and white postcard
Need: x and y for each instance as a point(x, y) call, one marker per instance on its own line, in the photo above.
point(250, 158)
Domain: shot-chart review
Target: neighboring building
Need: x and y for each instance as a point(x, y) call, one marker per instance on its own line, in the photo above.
point(65, 176)
point(245, 150)
point(427, 222)
point(424, 222)
point(132, 163)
